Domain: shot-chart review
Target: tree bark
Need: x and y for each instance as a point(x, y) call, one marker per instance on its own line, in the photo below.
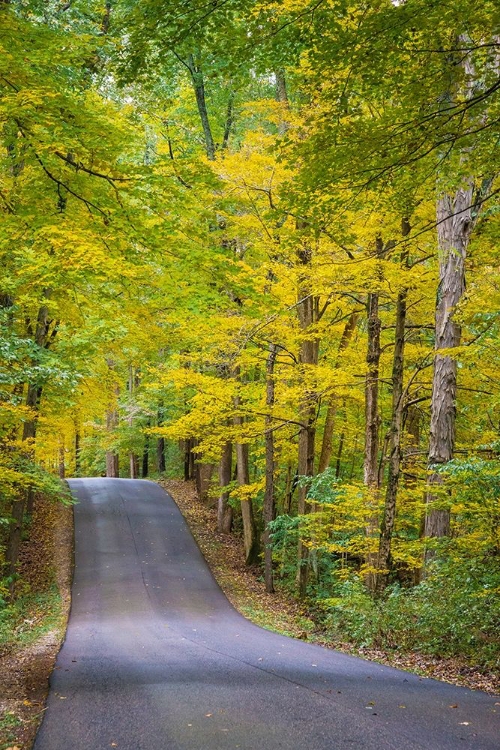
point(133, 458)
point(269, 498)
point(327, 443)
point(199, 90)
point(112, 459)
point(224, 510)
point(307, 311)
point(62, 463)
point(454, 223)
point(189, 459)
point(78, 459)
point(160, 455)
point(229, 120)
point(372, 422)
point(145, 457)
point(250, 538)
point(281, 90)
point(389, 517)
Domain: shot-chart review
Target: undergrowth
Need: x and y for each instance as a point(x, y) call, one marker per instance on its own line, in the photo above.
point(29, 617)
point(455, 611)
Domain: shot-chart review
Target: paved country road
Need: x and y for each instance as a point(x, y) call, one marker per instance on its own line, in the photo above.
point(155, 658)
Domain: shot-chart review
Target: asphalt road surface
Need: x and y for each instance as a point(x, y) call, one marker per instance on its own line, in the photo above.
point(155, 658)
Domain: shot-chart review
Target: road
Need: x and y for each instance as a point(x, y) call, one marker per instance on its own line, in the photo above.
point(155, 657)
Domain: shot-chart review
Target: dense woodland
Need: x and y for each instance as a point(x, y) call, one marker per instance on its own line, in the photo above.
point(256, 244)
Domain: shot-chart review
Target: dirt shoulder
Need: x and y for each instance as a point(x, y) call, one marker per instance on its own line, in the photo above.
point(25, 669)
point(245, 589)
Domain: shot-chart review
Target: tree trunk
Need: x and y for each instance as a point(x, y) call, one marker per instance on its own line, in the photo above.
point(112, 459)
point(250, 537)
point(133, 465)
point(199, 90)
point(78, 460)
point(339, 455)
point(307, 311)
point(372, 423)
point(327, 444)
point(224, 510)
point(203, 478)
point(269, 499)
point(62, 464)
point(454, 219)
point(388, 520)
point(112, 464)
point(229, 120)
point(281, 91)
point(189, 459)
point(287, 504)
point(133, 458)
point(145, 457)
point(160, 455)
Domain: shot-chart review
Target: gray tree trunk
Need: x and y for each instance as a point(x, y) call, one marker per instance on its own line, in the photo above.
point(269, 498)
point(199, 90)
point(307, 311)
point(327, 443)
point(372, 423)
point(112, 459)
point(389, 517)
point(454, 218)
point(250, 537)
point(224, 510)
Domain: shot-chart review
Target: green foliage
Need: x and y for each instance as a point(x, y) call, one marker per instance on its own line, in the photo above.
point(25, 620)
point(454, 611)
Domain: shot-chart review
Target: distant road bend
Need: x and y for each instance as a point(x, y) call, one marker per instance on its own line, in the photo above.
point(155, 658)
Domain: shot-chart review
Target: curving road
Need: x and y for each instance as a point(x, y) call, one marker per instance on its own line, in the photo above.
point(155, 658)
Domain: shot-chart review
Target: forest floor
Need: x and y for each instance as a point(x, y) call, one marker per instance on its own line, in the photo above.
point(28, 652)
point(281, 612)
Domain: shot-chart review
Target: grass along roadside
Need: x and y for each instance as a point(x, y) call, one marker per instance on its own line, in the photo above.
point(33, 627)
point(282, 613)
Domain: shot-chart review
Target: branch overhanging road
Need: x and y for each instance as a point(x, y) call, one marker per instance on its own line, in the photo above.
point(155, 657)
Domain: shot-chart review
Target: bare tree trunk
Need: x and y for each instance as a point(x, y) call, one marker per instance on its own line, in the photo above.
point(389, 517)
point(307, 311)
point(327, 444)
point(372, 423)
point(62, 464)
point(189, 445)
point(250, 538)
point(78, 459)
point(199, 90)
point(224, 510)
point(133, 465)
point(112, 464)
point(229, 120)
point(281, 90)
point(339, 455)
point(287, 504)
point(454, 222)
point(269, 499)
point(133, 458)
point(145, 456)
point(160, 455)
point(112, 459)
